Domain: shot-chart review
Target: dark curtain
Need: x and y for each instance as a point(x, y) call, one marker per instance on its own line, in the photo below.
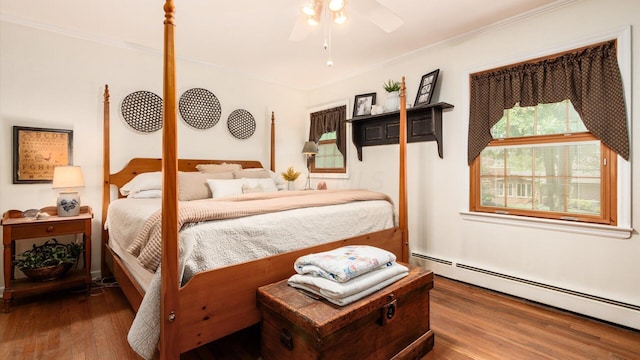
point(590, 78)
point(329, 120)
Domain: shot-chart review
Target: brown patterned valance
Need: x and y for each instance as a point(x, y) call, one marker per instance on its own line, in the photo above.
point(330, 120)
point(589, 78)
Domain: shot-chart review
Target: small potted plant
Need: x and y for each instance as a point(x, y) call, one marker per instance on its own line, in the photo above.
point(392, 87)
point(290, 176)
point(48, 261)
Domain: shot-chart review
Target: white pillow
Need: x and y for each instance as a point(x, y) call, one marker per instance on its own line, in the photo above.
point(267, 184)
point(145, 194)
point(278, 180)
point(246, 189)
point(145, 181)
point(225, 187)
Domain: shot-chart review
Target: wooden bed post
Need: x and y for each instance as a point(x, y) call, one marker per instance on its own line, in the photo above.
point(170, 304)
point(106, 170)
point(402, 197)
point(273, 142)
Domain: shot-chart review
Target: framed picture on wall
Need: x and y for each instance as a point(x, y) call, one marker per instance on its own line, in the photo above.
point(425, 91)
point(36, 151)
point(362, 104)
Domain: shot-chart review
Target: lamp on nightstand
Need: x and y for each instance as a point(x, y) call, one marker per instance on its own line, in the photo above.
point(68, 177)
point(310, 149)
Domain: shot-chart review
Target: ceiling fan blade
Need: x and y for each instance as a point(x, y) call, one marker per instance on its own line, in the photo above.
point(385, 18)
point(378, 14)
point(300, 29)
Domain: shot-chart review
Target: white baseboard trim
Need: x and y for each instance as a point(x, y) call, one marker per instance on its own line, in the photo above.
point(609, 310)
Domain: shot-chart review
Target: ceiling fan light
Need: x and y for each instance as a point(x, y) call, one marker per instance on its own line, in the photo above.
point(308, 8)
point(336, 5)
point(339, 17)
point(313, 20)
point(312, 8)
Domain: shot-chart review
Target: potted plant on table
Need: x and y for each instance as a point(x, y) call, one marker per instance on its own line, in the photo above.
point(392, 87)
point(290, 176)
point(48, 261)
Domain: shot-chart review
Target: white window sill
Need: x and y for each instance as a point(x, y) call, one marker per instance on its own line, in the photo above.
point(548, 224)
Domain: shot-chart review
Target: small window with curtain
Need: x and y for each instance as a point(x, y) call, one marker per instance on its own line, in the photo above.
point(328, 130)
point(544, 137)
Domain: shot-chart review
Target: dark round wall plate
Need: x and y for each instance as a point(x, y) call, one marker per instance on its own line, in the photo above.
point(241, 124)
point(142, 110)
point(199, 108)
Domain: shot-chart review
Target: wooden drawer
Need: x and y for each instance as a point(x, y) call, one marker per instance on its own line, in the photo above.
point(44, 229)
point(295, 326)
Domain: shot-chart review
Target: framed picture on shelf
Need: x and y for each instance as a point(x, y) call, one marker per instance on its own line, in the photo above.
point(427, 85)
point(362, 104)
point(36, 151)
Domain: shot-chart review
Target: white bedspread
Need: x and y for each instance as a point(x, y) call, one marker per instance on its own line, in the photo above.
point(232, 241)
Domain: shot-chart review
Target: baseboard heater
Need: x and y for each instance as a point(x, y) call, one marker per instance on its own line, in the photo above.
point(528, 282)
point(430, 258)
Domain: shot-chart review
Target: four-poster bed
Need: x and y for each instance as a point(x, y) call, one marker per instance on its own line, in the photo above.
point(209, 306)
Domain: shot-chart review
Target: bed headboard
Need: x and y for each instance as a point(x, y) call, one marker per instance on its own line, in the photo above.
point(142, 165)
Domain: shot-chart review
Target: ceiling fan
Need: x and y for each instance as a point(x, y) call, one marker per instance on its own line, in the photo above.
point(314, 11)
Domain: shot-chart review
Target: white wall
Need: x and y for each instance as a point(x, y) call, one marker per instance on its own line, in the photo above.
point(54, 80)
point(591, 264)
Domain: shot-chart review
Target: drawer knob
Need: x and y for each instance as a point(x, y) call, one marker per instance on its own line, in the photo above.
point(50, 228)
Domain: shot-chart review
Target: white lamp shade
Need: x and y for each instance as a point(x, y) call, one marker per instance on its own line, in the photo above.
point(65, 177)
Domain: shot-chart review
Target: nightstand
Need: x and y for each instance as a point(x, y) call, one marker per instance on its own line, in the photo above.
point(16, 227)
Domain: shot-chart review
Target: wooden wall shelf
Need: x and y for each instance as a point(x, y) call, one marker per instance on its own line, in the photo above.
point(424, 123)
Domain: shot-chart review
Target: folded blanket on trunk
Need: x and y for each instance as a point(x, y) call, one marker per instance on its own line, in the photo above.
point(331, 289)
point(345, 263)
point(349, 299)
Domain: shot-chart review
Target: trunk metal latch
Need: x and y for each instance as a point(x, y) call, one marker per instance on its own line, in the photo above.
point(389, 310)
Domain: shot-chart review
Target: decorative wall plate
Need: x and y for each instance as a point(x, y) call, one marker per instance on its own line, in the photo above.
point(142, 110)
point(241, 124)
point(199, 108)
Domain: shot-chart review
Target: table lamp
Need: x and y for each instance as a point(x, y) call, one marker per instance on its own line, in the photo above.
point(68, 177)
point(310, 149)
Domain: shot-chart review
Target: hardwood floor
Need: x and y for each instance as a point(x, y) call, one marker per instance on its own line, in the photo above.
point(469, 323)
point(475, 323)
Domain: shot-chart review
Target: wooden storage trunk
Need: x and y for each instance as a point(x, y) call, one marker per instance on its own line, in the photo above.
point(392, 323)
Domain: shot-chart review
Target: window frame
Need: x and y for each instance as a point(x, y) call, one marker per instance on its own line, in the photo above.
point(608, 181)
point(316, 170)
point(623, 230)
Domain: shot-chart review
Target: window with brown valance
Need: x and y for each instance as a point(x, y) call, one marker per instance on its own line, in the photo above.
point(330, 120)
point(589, 78)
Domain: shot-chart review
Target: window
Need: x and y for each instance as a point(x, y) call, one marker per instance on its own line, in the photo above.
point(543, 159)
point(328, 129)
point(544, 163)
point(328, 158)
